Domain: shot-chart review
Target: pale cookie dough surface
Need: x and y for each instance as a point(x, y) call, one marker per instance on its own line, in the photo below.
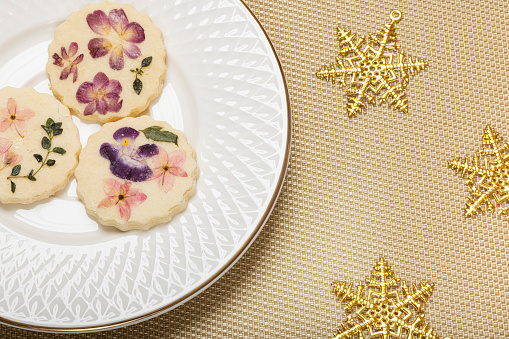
point(50, 153)
point(128, 177)
point(96, 58)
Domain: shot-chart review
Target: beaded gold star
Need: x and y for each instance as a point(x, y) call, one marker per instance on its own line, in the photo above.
point(372, 68)
point(384, 313)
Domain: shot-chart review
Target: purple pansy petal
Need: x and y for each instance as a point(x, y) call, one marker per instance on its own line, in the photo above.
point(58, 60)
point(85, 93)
point(99, 47)
point(117, 58)
point(114, 87)
point(65, 73)
point(98, 22)
point(125, 132)
point(131, 50)
point(102, 94)
point(118, 20)
point(78, 59)
point(100, 80)
point(109, 151)
point(148, 150)
point(123, 170)
point(90, 109)
point(64, 53)
point(73, 49)
point(114, 105)
point(134, 33)
point(102, 106)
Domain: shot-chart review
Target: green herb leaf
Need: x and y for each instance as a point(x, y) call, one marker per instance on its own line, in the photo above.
point(38, 157)
point(56, 126)
point(45, 143)
point(30, 176)
point(133, 71)
point(13, 187)
point(59, 150)
point(146, 62)
point(155, 133)
point(50, 162)
point(57, 132)
point(15, 170)
point(49, 122)
point(137, 86)
point(47, 129)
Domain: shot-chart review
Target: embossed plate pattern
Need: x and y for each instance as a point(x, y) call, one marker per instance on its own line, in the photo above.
point(59, 269)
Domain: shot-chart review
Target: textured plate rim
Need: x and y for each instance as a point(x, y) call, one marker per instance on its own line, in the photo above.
point(202, 287)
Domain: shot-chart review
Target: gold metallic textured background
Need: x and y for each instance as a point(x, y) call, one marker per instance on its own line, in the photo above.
point(373, 185)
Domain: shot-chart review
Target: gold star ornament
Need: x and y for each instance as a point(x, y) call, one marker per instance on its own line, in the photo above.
point(384, 313)
point(371, 68)
point(487, 175)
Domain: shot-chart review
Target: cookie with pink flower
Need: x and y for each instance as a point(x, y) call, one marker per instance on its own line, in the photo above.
point(136, 173)
point(107, 62)
point(39, 145)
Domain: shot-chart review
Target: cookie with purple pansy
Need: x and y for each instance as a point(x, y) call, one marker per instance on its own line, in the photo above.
point(107, 62)
point(136, 173)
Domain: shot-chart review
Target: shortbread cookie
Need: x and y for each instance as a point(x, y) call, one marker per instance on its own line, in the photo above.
point(39, 145)
point(136, 173)
point(107, 62)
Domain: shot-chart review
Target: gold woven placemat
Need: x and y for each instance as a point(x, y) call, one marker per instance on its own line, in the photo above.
point(374, 185)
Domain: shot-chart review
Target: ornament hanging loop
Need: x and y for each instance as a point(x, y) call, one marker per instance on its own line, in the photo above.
point(395, 15)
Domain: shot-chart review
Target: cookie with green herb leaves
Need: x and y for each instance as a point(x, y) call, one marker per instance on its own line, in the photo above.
point(136, 173)
point(39, 145)
point(107, 62)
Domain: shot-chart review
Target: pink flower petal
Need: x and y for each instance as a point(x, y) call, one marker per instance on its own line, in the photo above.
point(11, 106)
point(100, 81)
point(5, 124)
point(157, 172)
point(99, 47)
point(117, 58)
point(85, 93)
point(177, 158)
point(11, 159)
point(73, 49)
point(118, 20)
point(5, 144)
point(136, 198)
point(65, 73)
point(20, 127)
point(125, 210)
point(131, 50)
point(23, 114)
point(134, 33)
point(90, 109)
point(98, 22)
point(177, 171)
point(108, 202)
point(166, 182)
point(112, 187)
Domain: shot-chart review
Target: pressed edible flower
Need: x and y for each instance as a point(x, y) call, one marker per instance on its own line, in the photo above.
point(121, 36)
point(126, 160)
point(121, 195)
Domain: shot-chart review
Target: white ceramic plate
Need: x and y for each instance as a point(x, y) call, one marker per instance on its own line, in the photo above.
point(59, 269)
